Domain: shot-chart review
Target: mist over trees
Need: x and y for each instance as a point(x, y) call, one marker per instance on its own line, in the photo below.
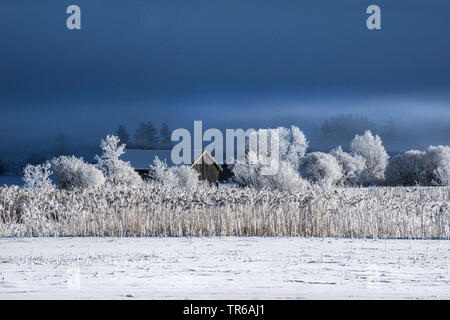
point(146, 137)
point(2, 167)
point(362, 160)
point(123, 135)
point(57, 146)
point(292, 168)
point(340, 129)
point(165, 137)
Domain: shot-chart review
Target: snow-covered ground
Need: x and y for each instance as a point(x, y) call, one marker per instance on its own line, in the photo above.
point(223, 268)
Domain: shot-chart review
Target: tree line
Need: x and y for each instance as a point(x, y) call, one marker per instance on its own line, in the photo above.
point(146, 136)
point(340, 130)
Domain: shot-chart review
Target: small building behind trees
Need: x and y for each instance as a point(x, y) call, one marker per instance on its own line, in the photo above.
point(205, 164)
point(207, 167)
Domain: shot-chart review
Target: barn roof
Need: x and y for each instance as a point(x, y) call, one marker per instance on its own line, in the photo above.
point(208, 158)
point(141, 159)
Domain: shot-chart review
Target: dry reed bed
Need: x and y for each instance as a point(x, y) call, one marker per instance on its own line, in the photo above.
point(152, 210)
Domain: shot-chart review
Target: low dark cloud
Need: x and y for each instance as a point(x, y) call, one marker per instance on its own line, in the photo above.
point(230, 63)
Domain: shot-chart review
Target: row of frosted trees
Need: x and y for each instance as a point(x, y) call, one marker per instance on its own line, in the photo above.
point(366, 164)
point(70, 172)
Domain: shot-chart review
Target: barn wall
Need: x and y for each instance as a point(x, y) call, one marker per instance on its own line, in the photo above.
point(208, 172)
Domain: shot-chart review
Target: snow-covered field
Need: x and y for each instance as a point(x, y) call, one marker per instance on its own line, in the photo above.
point(223, 268)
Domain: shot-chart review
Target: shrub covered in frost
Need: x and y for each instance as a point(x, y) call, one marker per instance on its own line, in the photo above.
point(246, 174)
point(372, 150)
point(292, 143)
point(426, 168)
point(322, 168)
point(159, 172)
point(37, 177)
point(292, 146)
point(438, 165)
point(354, 172)
point(174, 177)
point(186, 176)
point(407, 169)
point(115, 170)
point(286, 178)
point(72, 172)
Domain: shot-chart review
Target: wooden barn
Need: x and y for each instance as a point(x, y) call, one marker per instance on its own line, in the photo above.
point(208, 168)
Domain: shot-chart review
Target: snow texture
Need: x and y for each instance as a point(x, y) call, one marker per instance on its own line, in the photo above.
point(223, 268)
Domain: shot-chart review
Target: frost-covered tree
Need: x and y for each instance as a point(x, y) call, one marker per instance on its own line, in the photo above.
point(407, 169)
point(174, 177)
point(438, 165)
point(159, 172)
point(322, 168)
point(115, 170)
point(292, 145)
point(72, 172)
point(37, 177)
point(287, 178)
point(372, 150)
point(354, 172)
point(187, 177)
point(426, 168)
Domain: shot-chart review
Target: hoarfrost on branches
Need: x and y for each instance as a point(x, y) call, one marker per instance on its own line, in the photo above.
point(72, 172)
point(186, 177)
point(175, 177)
point(407, 169)
point(372, 150)
point(155, 210)
point(354, 172)
point(426, 168)
point(438, 164)
point(115, 170)
point(322, 168)
point(292, 146)
point(160, 173)
point(37, 177)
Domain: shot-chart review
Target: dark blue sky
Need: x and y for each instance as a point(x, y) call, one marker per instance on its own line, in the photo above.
point(233, 63)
